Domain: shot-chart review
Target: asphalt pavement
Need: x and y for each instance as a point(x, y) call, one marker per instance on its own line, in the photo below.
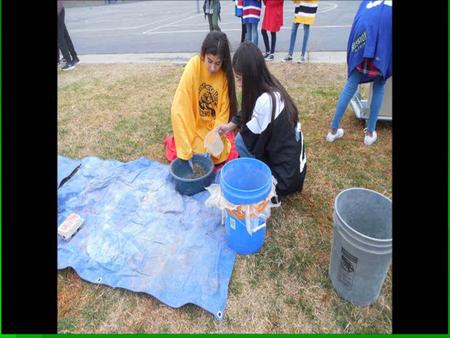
point(181, 58)
point(155, 31)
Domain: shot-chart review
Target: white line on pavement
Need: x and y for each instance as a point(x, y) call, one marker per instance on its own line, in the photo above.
point(231, 30)
point(151, 31)
point(120, 28)
point(333, 6)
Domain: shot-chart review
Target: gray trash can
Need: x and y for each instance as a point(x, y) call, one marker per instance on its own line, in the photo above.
point(362, 244)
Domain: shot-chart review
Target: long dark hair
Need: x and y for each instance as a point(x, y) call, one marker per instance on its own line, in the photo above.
point(249, 63)
point(216, 43)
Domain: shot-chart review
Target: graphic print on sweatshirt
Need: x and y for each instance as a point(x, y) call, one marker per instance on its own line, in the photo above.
point(208, 100)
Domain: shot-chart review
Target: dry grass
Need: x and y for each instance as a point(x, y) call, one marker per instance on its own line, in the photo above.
point(122, 112)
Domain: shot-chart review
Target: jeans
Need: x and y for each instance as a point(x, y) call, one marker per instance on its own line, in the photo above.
point(252, 32)
point(347, 93)
point(241, 147)
point(294, 37)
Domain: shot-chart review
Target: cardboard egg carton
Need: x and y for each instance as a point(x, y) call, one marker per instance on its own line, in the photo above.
point(70, 226)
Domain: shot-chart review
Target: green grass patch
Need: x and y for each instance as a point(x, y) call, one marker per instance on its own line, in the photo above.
point(66, 325)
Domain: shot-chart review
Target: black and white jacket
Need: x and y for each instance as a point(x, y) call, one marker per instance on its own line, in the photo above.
point(276, 143)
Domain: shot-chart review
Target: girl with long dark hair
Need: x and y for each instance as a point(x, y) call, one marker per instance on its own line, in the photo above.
point(205, 98)
point(268, 123)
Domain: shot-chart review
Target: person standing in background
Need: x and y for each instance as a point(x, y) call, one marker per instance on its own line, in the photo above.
point(72, 51)
point(251, 16)
point(369, 59)
point(211, 8)
point(64, 42)
point(304, 13)
point(238, 11)
point(272, 22)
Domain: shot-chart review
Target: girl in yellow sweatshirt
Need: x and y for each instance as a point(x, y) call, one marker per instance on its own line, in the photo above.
point(205, 98)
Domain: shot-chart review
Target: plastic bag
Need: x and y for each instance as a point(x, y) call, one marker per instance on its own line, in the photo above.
point(252, 213)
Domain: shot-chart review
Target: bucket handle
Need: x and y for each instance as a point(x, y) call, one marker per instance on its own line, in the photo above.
point(259, 227)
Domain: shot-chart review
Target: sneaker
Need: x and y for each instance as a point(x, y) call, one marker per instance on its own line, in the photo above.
point(265, 55)
point(270, 57)
point(287, 58)
point(75, 61)
point(68, 66)
point(333, 137)
point(302, 59)
point(368, 140)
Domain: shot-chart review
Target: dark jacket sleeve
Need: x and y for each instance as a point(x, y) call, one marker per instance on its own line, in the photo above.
point(236, 119)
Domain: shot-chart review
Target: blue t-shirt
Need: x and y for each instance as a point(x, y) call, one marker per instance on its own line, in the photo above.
point(371, 37)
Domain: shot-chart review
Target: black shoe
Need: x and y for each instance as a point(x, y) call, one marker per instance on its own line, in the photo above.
point(266, 54)
point(68, 66)
point(75, 60)
point(270, 57)
point(287, 58)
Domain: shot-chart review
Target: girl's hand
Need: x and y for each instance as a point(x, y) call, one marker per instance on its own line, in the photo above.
point(225, 128)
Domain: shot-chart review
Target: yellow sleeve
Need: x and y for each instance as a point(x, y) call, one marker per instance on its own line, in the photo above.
point(224, 112)
point(182, 113)
point(222, 118)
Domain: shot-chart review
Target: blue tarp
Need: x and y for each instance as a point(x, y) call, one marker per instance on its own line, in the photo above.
point(66, 167)
point(140, 234)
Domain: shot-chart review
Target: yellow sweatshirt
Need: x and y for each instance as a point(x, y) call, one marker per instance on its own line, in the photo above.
point(201, 103)
point(305, 11)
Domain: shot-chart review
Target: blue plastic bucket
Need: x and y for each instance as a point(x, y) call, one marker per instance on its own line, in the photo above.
point(245, 181)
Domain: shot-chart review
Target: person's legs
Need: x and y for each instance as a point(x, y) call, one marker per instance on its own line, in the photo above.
point(210, 21)
point(61, 39)
point(241, 147)
point(305, 38)
point(293, 37)
point(72, 51)
point(266, 40)
point(248, 32)
point(375, 104)
point(244, 31)
point(252, 33)
point(255, 33)
point(347, 93)
point(273, 42)
point(215, 17)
